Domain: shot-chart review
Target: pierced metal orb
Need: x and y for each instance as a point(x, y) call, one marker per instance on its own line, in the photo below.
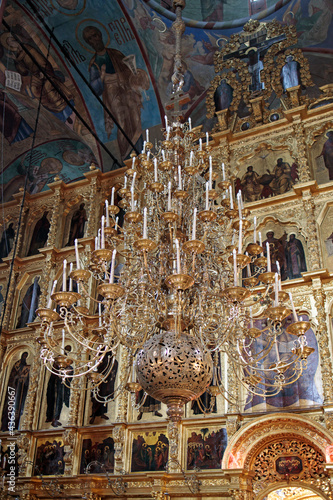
point(174, 369)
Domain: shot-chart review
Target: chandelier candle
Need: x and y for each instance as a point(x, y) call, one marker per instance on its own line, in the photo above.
point(180, 178)
point(169, 197)
point(49, 304)
point(102, 232)
point(113, 263)
point(234, 253)
point(231, 199)
point(107, 213)
point(276, 289)
point(155, 170)
point(293, 307)
point(63, 342)
point(112, 194)
point(223, 172)
point(240, 242)
point(210, 173)
point(144, 236)
point(255, 229)
point(64, 277)
point(178, 256)
point(70, 287)
point(194, 226)
point(77, 256)
point(268, 258)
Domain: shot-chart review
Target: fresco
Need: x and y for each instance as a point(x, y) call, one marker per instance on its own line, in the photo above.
point(322, 157)
point(150, 451)
point(306, 391)
point(99, 449)
point(17, 385)
point(265, 174)
point(49, 457)
point(124, 48)
point(205, 448)
point(66, 159)
point(326, 229)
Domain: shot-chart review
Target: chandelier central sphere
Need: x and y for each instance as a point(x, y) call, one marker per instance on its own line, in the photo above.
point(174, 369)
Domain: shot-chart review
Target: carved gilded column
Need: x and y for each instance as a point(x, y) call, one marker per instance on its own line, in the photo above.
point(24, 444)
point(53, 231)
point(48, 266)
point(93, 201)
point(314, 252)
point(323, 341)
point(304, 172)
point(69, 438)
point(174, 448)
point(123, 397)
point(118, 434)
point(233, 388)
point(10, 297)
point(35, 376)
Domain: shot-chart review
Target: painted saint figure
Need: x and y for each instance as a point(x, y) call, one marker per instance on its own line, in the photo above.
point(57, 395)
point(282, 177)
point(327, 154)
point(223, 95)
point(19, 381)
point(7, 241)
point(290, 73)
point(29, 304)
point(40, 234)
point(77, 225)
point(295, 257)
point(105, 389)
point(250, 185)
point(277, 252)
point(112, 79)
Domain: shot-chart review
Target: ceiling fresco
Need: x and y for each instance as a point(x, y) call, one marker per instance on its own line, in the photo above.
point(95, 74)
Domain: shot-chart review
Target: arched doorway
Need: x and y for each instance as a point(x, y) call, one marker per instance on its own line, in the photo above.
point(277, 452)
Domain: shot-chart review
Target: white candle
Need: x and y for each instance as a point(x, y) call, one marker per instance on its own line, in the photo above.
point(107, 213)
point(191, 158)
point(145, 223)
point(255, 229)
point(194, 227)
point(112, 193)
point(210, 173)
point(276, 288)
point(133, 162)
point(239, 201)
point(102, 233)
point(178, 255)
point(168, 133)
point(200, 144)
point(190, 123)
point(116, 224)
point(132, 199)
point(144, 147)
point(77, 257)
point(268, 258)
point(240, 240)
point(231, 199)
point(99, 239)
point(111, 280)
point(96, 243)
point(49, 304)
point(133, 181)
point(234, 253)
point(293, 307)
point(251, 318)
point(223, 172)
point(63, 342)
point(169, 196)
point(70, 279)
point(64, 277)
point(99, 314)
point(180, 178)
point(207, 138)
point(278, 267)
point(155, 170)
point(166, 121)
point(163, 155)
point(207, 195)
point(147, 135)
point(248, 268)
point(260, 239)
point(125, 182)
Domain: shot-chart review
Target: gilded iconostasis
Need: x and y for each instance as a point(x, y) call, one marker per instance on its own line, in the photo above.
point(80, 81)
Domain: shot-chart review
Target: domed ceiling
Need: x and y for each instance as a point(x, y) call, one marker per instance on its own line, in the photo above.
point(94, 74)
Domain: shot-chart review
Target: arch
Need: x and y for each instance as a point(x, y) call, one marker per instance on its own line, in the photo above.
point(296, 484)
point(247, 441)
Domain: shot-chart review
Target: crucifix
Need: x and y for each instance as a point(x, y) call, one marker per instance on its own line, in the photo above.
point(254, 49)
point(174, 107)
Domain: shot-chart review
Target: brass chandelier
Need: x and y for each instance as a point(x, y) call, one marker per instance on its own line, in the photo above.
point(180, 299)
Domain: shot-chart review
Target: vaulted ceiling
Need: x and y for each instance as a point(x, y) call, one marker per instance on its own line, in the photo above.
point(62, 66)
